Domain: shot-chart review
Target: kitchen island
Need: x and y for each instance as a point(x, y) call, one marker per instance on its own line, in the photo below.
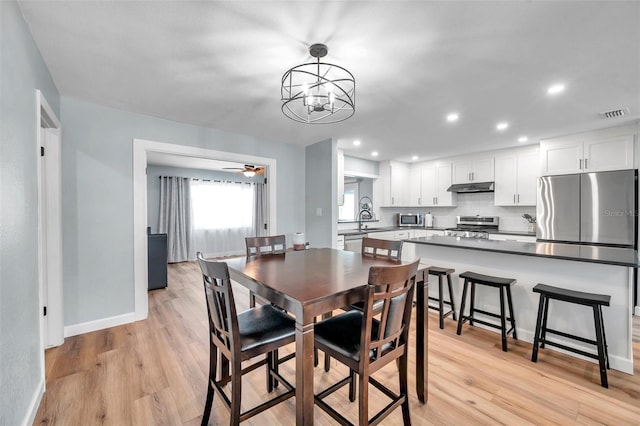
point(592, 269)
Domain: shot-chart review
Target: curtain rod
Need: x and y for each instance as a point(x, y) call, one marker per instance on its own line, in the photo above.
point(209, 180)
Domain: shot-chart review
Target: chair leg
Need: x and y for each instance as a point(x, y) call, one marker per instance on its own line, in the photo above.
point(363, 399)
point(601, 348)
point(503, 321)
point(440, 302)
point(462, 302)
point(270, 365)
point(236, 393)
point(604, 336)
point(543, 332)
point(276, 365)
point(453, 305)
point(252, 300)
point(315, 357)
point(404, 390)
point(213, 364)
point(327, 362)
point(472, 302)
point(536, 336)
point(511, 314)
point(352, 385)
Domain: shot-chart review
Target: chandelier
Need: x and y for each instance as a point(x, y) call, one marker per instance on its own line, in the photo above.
point(318, 93)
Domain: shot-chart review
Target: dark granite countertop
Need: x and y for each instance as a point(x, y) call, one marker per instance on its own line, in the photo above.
point(523, 233)
point(575, 252)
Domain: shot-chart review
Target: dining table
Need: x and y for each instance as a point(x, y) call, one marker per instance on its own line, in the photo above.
point(311, 283)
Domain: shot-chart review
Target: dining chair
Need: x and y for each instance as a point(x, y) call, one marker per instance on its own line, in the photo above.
point(366, 344)
point(239, 337)
point(379, 249)
point(259, 246)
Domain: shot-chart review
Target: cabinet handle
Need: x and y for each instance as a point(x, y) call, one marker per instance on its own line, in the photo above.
point(518, 198)
point(392, 200)
point(436, 200)
point(419, 201)
point(469, 176)
point(473, 176)
point(580, 164)
point(514, 198)
point(585, 164)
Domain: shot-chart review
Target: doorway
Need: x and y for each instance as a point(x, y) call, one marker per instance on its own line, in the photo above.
point(140, 150)
point(49, 225)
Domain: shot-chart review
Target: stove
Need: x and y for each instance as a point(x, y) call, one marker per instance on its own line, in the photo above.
point(473, 227)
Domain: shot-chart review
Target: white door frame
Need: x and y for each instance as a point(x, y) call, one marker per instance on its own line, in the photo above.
point(49, 225)
point(140, 149)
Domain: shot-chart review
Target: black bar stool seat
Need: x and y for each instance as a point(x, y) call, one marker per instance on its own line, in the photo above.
point(596, 301)
point(504, 286)
point(441, 273)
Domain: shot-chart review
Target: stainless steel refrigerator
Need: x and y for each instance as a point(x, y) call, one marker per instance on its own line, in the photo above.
point(588, 208)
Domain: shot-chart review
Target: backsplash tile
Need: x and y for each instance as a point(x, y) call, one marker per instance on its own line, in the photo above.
point(468, 205)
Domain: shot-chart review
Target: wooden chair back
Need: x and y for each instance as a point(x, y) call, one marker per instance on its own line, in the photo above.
point(381, 249)
point(272, 244)
point(386, 339)
point(221, 308)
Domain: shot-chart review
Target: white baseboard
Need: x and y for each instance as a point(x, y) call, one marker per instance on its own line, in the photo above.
point(30, 415)
point(101, 324)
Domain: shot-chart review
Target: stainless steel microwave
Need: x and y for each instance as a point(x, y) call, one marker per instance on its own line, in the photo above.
point(410, 219)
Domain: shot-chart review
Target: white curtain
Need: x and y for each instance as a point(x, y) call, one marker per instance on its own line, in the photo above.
point(259, 210)
point(175, 217)
point(223, 214)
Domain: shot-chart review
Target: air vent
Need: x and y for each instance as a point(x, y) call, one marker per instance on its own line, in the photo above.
point(614, 113)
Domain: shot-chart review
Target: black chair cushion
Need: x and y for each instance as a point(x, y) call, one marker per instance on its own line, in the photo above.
point(487, 279)
point(342, 334)
point(263, 325)
point(436, 270)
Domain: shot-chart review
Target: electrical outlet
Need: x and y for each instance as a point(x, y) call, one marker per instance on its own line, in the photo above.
point(318, 211)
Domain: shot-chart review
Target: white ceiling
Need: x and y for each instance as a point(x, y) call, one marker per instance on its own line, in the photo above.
point(219, 64)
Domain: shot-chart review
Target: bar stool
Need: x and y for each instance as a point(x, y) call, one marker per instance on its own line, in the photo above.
point(499, 283)
point(596, 301)
point(441, 273)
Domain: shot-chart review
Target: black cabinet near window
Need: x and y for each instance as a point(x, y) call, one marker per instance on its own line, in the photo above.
point(157, 260)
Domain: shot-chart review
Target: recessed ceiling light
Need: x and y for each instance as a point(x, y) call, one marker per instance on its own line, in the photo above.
point(502, 126)
point(414, 158)
point(452, 117)
point(522, 139)
point(356, 143)
point(555, 89)
point(374, 154)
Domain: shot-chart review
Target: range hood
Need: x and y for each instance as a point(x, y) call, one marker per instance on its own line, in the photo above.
point(471, 187)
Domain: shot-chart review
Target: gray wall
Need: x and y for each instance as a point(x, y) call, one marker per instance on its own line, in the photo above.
point(22, 71)
point(360, 166)
point(97, 180)
point(153, 185)
point(321, 192)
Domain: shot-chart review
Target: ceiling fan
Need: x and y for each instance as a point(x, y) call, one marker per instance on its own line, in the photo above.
point(249, 170)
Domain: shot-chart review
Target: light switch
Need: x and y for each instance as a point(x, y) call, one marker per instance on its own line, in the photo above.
point(318, 211)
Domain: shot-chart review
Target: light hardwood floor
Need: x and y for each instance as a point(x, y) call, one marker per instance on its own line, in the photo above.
point(155, 372)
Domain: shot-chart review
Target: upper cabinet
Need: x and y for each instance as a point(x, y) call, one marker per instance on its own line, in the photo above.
point(429, 184)
point(515, 178)
point(473, 170)
point(609, 149)
point(394, 190)
point(340, 167)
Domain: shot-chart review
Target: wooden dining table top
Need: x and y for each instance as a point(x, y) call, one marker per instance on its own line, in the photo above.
point(310, 276)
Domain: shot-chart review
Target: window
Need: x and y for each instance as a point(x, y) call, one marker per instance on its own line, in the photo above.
point(349, 210)
point(221, 205)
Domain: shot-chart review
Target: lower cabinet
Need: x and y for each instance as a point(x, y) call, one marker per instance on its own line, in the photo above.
point(508, 237)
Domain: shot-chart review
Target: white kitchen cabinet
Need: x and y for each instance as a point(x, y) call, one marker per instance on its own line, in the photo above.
point(386, 235)
point(394, 177)
point(431, 232)
point(419, 233)
point(340, 166)
point(430, 182)
point(473, 170)
point(611, 149)
point(403, 235)
point(515, 179)
point(340, 242)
